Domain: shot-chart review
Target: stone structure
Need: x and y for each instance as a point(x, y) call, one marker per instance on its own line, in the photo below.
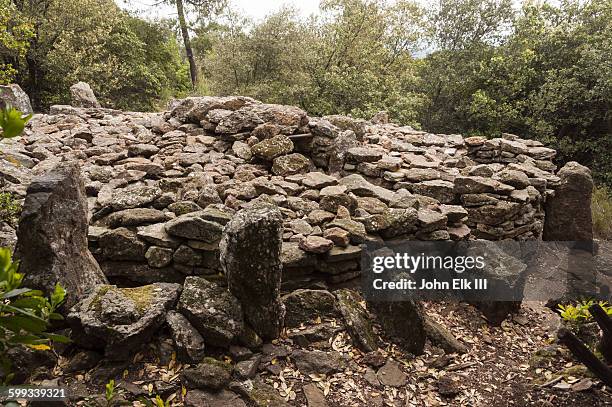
point(230, 198)
point(161, 186)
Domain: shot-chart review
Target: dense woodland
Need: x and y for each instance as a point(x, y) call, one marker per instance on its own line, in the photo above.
point(457, 66)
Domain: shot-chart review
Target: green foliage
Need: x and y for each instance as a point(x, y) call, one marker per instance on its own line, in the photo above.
point(9, 209)
point(15, 35)
point(109, 391)
point(24, 313)
point(579, 313)
point(354, 59)
point(12, 122)
point(601, 207)
point(130, 63)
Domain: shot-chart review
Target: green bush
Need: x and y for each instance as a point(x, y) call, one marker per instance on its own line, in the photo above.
point(601, 207)
point(10, 208)
point(579, 313)
point(24, 313)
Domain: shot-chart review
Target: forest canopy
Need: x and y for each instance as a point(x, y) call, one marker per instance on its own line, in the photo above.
point(477, 67)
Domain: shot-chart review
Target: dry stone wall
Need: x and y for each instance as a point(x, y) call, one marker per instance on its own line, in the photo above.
point(162, 186)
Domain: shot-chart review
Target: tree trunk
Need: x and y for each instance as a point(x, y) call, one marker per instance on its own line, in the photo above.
point(185, 32)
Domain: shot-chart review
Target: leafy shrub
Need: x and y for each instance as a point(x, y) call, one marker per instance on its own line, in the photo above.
point(579, 313)
point(9, 209)
point(24, 313)
point(602, 212)
point(12, 122)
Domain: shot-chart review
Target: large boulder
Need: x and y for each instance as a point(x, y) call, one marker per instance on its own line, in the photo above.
point(13, 95)
point(52, 235)
point(568, 213)
point(83, 95)
point(121, 320)
point(251, 258)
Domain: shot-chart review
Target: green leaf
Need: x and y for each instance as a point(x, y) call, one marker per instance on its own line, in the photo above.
point(12, 122)
point(57, 338)
point(15, 293)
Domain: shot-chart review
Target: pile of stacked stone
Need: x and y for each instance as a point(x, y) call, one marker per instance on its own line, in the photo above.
point(162, 186)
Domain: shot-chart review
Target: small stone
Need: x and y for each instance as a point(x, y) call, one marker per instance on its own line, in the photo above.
point(187, 340)
point(391, 375)
point(271, 148)
point(314, 396)
point(316, 244)
point(340, 237)
point(159, 257)
point(209, 374)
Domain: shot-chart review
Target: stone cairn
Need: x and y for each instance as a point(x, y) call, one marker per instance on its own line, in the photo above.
point(162, 186)
point(225, 219)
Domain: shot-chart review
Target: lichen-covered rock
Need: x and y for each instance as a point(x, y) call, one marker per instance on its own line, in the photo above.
point(212, 310)
point(134, 196)
point(193, 226)
point(290, 164)
point(306, 305)
point(209, 374)
point(122, 244)
point(225, 398)
point(568, 213)
point(356, 320)
point(271, 148)
point(52, 235)
point(121, 320)
point(135, 217)
point(188, 342)
point(251, 259)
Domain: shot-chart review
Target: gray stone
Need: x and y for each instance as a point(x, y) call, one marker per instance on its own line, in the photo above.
point(121, 320)
point(192, 226)
point(52, 235)
point(159, 257)
point(13, 95)
point(209, 374)
point(83, 95)
point(187, 340)
point(356, 320)
point(318, 362)
point(251, 259)
point(303, 306)
point(134, 196)
point(212, 310)
point(122, 244)
point(568, 212)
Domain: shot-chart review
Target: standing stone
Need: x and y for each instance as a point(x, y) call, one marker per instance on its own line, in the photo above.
point(52, 236)
point(13, 95)
point(251, 258)
point(568, 213)
point(402, 320)
point(83, 95)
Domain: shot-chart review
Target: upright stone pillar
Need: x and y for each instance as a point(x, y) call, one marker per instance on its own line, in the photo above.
point(52, 235)
point(250, 257)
